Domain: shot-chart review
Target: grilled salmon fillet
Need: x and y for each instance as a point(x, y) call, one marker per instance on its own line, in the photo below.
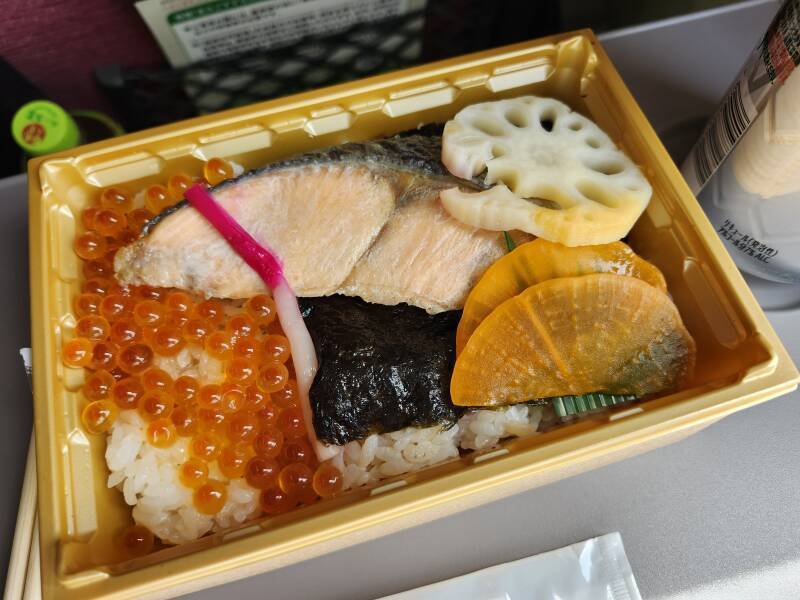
point(361, 219)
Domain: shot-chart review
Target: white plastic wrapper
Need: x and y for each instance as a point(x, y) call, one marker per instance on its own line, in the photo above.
point(596, 569)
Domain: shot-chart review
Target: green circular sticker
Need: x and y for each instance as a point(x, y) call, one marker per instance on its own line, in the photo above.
point(42, 127)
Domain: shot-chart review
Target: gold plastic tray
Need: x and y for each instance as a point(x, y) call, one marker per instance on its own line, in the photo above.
point(740, 359)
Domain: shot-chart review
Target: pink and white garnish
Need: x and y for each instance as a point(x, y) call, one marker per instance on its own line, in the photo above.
point(264, 262)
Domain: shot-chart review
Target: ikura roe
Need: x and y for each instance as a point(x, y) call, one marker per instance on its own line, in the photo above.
point(193, 473)
point(116, 306)
point(177, 185)
point(126, 392)
point(185, 420)
point(261, 472)
point(87, 304)
point(295, 480)
point(99, 385)
point(125, 331)
point(327, 480)
point(99, 416)
point(268, 442)
point(116, 198)
point(161, 433)
point(185, 389)
point(243, 423)
point(217, 170)
point(262, 309)
point(274, 501)
point(210, 497)
point(135, 541)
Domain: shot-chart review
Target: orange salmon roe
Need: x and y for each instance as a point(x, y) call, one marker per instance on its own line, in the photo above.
point(137, 219)
point(218, 345)
point(145, 292)
point(248, 426)
point(109, 222)
point(156, 198)
point(155, 405)
point(90, 245)
point(116, 198)
point(179, 301)
point(97, 268)
point(161, 433)
point(233, 398)
point(100, 286)
point(268, 443)
point(232, 460)
point(116, 306)
point(186, 389)
point(210, 497)
point(136, 541)
point(327, 480)
point(255, 399)
point(276, 347)
point(168, 340)
point(295, 451)
point(272, 376)
point(268, 415)
point(177, 319)
point(193, 473)
point(240, 326)
point(274, 501)
point(177, 185)
point(291, 423)
point(217, 170)
point(99, 416)
point(149, 313)
point(260, 472)
point(241, 370)
point(209, 396)
point(195, 330)
point(286, 397)
point(247, 347)
point(295, 480)
point(77, 353)
point(185, 421)
point(156, 380)
point(242, 427)
point(87, 217)
point(87, 304)
point(135, 358)
point(125, 331)
point(92, 328)
point(126, 392)
point(262, 309)
point(210, 310)
point(98, 386)
point(104, 356)
point(205, 446)
point(211, 419)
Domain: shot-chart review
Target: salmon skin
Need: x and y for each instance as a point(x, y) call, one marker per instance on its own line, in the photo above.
point(361, 219)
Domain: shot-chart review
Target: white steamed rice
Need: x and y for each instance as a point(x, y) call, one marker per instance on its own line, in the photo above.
point(148, 476)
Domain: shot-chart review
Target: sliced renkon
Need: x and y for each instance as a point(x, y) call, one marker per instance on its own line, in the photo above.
point(558, 175)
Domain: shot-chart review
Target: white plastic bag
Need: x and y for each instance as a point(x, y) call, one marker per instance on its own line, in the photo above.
point(596, 569)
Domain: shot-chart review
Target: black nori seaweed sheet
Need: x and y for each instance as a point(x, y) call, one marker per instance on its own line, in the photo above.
point(381, 368)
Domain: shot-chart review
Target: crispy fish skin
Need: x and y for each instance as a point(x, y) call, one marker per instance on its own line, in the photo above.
point(362, 219)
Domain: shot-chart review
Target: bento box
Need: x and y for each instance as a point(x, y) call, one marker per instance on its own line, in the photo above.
point(740, 360)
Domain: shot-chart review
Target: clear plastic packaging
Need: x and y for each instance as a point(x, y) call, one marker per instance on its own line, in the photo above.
point(596, 569)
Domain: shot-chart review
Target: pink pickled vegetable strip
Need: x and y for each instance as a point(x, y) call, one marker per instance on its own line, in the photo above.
point(264, 262)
